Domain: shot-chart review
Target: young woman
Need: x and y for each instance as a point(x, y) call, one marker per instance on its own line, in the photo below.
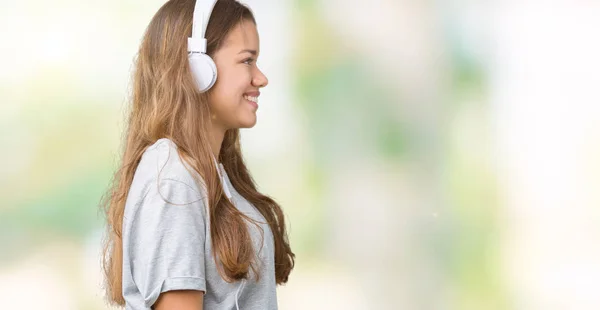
point(187, 228)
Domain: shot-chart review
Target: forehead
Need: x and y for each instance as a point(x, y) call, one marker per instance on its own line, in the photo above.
point(243, 36)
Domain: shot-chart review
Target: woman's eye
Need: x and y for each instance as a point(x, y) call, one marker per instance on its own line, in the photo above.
point(248, 61)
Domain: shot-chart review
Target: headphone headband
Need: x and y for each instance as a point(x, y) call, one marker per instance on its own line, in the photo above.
point(202, 11)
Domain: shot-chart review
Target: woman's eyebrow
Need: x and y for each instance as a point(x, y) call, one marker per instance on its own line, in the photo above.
point(253, 52)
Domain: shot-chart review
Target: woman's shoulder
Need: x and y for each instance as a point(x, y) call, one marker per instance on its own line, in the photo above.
point(161, 162)
point(162, 147)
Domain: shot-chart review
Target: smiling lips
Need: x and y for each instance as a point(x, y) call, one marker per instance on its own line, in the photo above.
point(252, 98)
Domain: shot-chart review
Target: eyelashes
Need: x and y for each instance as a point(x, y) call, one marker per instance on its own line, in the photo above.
point(249, 61)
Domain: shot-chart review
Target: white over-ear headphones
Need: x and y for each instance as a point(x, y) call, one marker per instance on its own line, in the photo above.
point(203, 67)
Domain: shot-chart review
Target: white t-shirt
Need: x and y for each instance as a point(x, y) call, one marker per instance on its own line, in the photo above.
point(167, 244)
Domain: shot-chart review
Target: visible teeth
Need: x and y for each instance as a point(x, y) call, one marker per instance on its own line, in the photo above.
point(253, 99)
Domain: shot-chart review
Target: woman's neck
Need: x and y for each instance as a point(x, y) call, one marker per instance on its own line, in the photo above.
point(216, 135)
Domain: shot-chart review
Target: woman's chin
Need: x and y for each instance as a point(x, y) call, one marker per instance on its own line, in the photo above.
point(248, 122)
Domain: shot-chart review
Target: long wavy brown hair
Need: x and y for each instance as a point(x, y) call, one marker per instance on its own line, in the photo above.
point(165, 103)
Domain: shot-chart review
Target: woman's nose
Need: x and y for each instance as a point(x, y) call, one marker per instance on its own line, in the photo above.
point(260, 80)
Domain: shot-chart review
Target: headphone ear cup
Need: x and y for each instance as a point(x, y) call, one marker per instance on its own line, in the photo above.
point(203, 70)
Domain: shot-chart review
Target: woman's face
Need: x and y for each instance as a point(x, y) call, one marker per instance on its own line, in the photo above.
point(233, 99)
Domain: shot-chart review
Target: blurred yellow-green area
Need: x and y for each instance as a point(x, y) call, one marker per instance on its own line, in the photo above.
point(427, 154)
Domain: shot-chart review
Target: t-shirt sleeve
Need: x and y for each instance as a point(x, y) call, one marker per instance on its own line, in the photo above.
point(166, 240)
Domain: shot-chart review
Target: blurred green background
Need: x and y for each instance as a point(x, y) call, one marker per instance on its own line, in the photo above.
point(427, 154)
